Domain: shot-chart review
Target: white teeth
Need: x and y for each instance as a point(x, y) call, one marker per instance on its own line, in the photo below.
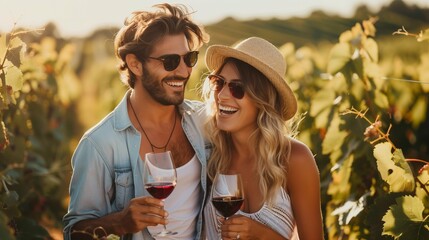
point(175, 84)
point(227, 108)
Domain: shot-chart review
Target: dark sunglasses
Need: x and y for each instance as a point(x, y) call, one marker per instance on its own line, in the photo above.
point(217, 83)
point(172, 61)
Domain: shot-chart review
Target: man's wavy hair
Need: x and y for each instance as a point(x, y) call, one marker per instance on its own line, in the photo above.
point(271, 139)
point(143, 29)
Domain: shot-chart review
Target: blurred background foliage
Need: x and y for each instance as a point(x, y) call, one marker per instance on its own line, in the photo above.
point(351, 76)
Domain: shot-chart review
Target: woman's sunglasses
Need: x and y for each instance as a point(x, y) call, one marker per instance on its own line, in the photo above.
point(172, 61)
point(235, 88)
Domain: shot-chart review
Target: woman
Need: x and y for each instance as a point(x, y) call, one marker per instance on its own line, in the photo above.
point(250, 135)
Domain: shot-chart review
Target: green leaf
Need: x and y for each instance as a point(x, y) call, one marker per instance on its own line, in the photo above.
point(374, 72)
point(358, 67)
point(14, 56)
point(339, 188)
point(403, 216)
point(422, 190)
point(334, 138)
point(340, 55)
point(14, 77)
point(380, 99)
point(371, 48)
point(16, 51)
point(399, 179)
point(321, 101)
point(417, 116)
point(16, 42)
point(399, 160)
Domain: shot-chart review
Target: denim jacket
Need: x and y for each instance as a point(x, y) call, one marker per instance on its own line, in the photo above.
point(107, 172)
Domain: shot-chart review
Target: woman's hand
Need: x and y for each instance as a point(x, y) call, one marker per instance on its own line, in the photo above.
point(241, 227)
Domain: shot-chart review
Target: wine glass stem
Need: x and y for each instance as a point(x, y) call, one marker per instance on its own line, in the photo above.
point(220, 230)
point(165, 225)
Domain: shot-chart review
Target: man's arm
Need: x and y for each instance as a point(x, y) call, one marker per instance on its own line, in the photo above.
point(90, 210)
point(141, 213)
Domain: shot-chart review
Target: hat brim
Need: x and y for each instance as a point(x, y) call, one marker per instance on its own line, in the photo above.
point(216, 54)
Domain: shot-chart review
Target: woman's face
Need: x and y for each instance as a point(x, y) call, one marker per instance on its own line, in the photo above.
point(234, 115)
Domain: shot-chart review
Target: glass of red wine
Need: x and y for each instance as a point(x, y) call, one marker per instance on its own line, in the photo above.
point(160, 178)
point(227, 194)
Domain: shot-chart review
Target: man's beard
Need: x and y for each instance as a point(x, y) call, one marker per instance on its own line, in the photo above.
point(153, 86)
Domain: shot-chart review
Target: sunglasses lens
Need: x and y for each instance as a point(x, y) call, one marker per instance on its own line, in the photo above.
point(236, 90)
point(171, 62)
point(191, 58)
point(216, 83)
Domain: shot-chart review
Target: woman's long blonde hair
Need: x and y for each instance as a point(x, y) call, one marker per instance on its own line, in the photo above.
point(271, 137)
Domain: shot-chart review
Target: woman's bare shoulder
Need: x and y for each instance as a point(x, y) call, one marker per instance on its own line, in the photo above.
point(300, 154)
point(302, 169)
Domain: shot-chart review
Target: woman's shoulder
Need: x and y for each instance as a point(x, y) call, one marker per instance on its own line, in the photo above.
point(300, 151)
point(302, 167)
point(301, 158)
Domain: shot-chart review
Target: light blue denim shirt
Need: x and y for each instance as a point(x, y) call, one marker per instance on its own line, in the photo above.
point(107, 170)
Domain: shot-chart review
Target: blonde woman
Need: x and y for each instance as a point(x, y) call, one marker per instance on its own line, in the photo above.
point(251, 107)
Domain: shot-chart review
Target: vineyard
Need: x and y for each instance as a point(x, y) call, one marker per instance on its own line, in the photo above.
point(365, 117)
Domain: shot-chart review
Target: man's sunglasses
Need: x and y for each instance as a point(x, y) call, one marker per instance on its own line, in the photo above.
point(172, 61)
point(236, 88)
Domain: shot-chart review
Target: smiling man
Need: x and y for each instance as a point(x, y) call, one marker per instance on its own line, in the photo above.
point(157, 50)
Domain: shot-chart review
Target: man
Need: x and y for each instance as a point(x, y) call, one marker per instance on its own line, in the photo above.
point(157, 50)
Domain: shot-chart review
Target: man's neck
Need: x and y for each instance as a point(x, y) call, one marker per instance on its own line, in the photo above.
point(149, 111)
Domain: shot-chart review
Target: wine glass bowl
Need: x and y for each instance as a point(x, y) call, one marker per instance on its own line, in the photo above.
point(160, 178)
point(227, 194)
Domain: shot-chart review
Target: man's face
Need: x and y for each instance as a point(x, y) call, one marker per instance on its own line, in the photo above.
point(167, 87)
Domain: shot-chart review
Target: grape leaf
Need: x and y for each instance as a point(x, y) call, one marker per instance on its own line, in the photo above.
point(340, 185)
point(16, 51)
point(371, 48)
point(380, 99)
point(340, 55)
point(14, 77)
point(422, 190)
point(369, 27)
point(320, 101)
point(398, 178)
point(334, 138)
point(14, 56)
point(420, 106)
point(403, 216)
point(399, 160)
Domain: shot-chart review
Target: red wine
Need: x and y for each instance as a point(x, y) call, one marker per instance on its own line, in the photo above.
point(160, 190)
point(227, 206)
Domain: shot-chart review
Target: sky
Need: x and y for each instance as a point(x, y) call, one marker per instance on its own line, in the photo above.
point(80, 18)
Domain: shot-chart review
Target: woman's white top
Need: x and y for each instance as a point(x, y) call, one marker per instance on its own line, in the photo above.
point(186, 194)
point(278, 217)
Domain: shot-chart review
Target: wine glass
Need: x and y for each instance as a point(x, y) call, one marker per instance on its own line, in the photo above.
point(160, 179)
point(227, 194)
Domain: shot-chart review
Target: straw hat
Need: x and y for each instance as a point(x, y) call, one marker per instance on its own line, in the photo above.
point(263, 56)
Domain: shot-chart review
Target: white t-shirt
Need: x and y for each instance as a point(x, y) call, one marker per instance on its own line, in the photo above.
point(183, 203)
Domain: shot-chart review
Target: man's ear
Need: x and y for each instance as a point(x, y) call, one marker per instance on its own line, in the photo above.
point(134, 64)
